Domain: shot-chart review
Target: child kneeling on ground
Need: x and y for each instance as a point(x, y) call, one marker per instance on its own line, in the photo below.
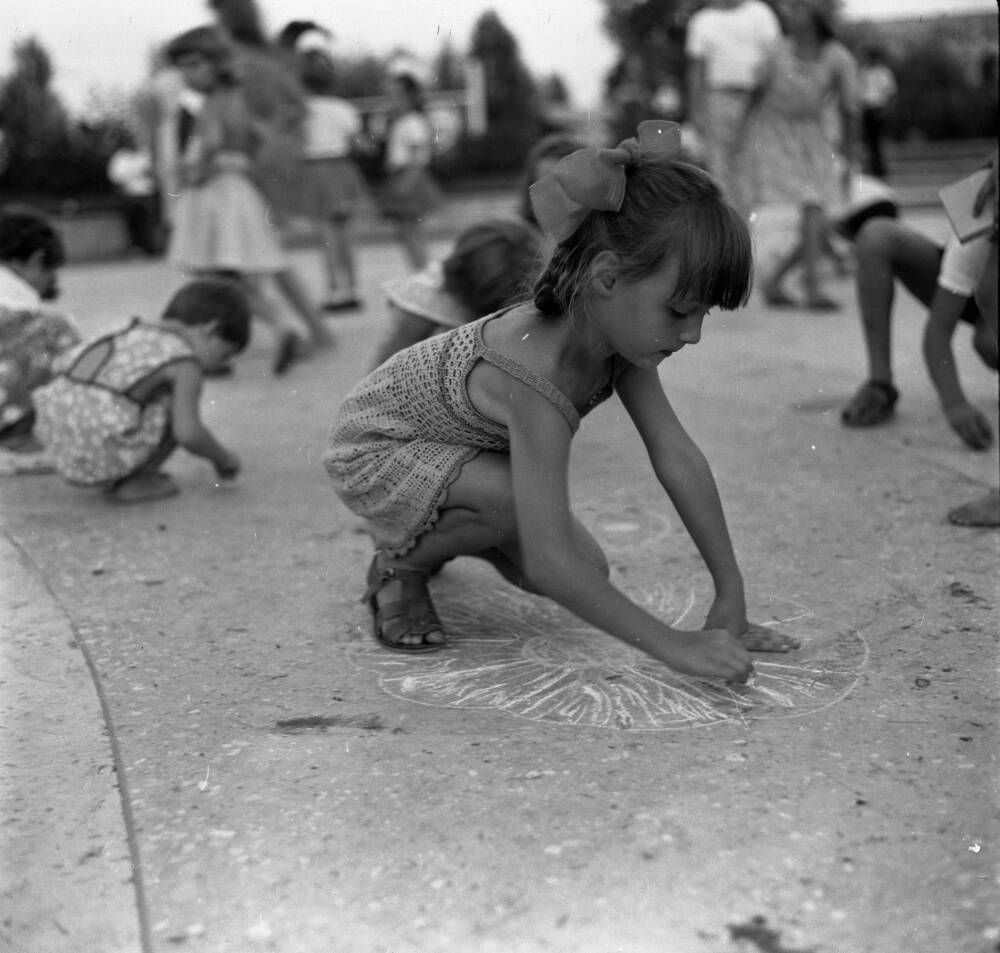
point(460, 445)
point(122, 403)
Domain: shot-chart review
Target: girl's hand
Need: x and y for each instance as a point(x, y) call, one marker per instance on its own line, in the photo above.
point(713, 653)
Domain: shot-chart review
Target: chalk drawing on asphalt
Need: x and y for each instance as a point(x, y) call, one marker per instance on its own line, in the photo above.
point(524, 656)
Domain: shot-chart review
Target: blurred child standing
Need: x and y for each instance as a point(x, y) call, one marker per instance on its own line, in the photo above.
point(410, 192)
point(221, 221)
point(333, 185)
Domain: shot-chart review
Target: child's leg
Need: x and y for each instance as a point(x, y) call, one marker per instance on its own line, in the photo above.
point(476, 520)
point(774, 294)
point(813, 230)
point(294, 291)
point(340, 257)
point(147, 483)
point(985, 334)
point(886, 251)
point(290, 344)
point(411, 237)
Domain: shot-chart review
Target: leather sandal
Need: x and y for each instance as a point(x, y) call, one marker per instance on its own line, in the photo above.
point(411, 612)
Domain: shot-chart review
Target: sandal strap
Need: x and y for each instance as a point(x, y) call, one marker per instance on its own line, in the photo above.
point(422, 618)
point(380, 577)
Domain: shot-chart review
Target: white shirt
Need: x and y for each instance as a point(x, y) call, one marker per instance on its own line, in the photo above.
point(15, 292)
point(877, 85)
point(331, 125)
point(132, 171)
point(733, 43)
point(962, 265)
point(409, 141)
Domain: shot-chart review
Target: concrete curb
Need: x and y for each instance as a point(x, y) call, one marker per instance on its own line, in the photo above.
point(66, 883)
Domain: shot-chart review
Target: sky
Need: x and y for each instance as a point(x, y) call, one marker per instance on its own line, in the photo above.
point(105, 44)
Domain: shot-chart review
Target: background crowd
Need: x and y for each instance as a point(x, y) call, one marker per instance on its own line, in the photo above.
point(243, 132)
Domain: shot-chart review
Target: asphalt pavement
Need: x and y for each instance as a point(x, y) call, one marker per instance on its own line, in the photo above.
point(204, 750)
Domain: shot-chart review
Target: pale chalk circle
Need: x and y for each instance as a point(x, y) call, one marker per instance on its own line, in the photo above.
point(623, 526)
point(511, 652)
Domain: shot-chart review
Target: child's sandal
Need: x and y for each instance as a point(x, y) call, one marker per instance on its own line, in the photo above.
point(411, 614)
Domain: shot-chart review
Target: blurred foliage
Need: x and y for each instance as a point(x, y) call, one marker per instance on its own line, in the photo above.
point(45, 151)
point(513, 106)
point(945, 67)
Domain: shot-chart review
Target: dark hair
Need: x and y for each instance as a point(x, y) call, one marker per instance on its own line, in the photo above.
point(670, 209)
point(209, 43)
point(25, 231)
point(293, 30)
point(491, 264)
point(553, 146)
point(208, 300)
point(317, 72)
point(241, 20)
point(413, 90)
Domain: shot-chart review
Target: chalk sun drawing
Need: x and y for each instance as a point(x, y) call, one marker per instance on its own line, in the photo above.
point(514, 653)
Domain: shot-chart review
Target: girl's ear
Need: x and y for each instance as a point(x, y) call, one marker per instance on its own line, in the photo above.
point(604, 272)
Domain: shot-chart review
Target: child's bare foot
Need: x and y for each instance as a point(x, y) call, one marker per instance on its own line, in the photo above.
point(143, 489)
point(759, 638)
point(984, 511)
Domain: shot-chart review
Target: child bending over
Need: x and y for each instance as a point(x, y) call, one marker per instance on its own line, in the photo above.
point(488, 266)
point(121, 404)
point(942, 279)
point(460, 444)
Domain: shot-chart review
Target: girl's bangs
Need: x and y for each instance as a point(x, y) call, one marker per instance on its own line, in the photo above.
point(716, 258)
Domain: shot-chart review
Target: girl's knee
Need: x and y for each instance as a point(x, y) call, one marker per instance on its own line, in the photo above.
point(877, 237)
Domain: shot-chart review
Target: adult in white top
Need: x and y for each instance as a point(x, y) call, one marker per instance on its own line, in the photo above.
point(410, 193)
point(727, 42)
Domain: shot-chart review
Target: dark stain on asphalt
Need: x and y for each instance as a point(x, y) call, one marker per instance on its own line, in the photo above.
point(757, 932)
point(323, 722)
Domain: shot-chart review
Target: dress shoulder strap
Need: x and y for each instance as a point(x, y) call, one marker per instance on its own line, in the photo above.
point(526, 375)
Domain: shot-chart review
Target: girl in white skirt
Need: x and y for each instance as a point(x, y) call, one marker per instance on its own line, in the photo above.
point(221, 222)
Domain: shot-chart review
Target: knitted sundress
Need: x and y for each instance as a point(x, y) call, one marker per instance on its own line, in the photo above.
point(94, 432)
point(403, 433)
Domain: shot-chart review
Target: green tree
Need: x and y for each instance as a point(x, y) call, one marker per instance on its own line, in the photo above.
point(448, 68)
point(33, 117)
point(935, 95)
point(650, 32)
point(47, 154)
point(512, 106)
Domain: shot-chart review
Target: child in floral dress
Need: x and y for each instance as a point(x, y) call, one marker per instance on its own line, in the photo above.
point(121, 404)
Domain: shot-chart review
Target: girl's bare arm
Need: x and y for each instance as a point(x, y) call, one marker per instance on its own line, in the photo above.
point(539, 451)
point(684, 473)
point(188, 429)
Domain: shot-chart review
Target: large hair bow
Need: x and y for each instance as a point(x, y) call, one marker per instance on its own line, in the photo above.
point(594, 179)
